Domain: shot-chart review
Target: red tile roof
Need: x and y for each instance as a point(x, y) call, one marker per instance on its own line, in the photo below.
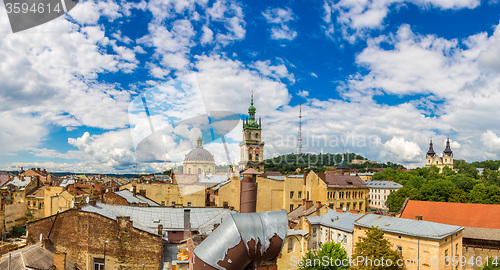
point(461, 214)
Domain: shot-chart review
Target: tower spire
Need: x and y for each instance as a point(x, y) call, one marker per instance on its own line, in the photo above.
point(448, 151)
point(431, 152)
point(251, 103)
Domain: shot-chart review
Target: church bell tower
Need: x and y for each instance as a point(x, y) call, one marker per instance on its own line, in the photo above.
point(252, 146)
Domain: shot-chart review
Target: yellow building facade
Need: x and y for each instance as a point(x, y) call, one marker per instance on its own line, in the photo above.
point(422, 244)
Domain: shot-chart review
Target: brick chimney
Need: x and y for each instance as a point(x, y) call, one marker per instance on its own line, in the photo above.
point(142, 192)
point(93, 202)
point(60, 260)
point(354, 211)
point(340, 210)
point(160, 230)
point(309, 204)
point(419, 217)
point(187, 223)
point(134, 191)
point(303, 202)
point(318, 204)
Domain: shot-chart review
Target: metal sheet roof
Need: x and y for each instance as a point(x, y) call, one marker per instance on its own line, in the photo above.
point(202, 219)
point(409, 227)
point(383, 184)
point(129, 196)
point(336, 220)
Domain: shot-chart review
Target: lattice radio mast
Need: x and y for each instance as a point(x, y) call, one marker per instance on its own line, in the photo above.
point(299, 139)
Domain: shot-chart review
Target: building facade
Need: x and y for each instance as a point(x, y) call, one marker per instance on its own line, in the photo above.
point(432, 159)
point(379, 191)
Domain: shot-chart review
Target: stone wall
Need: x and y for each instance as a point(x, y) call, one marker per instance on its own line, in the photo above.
point(87, 236)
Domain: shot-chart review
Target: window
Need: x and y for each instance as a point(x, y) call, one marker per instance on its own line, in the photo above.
point(354, 206)
point(199, 171)
point(360, 206)
point(291, 207)
point(173, 203)
point(189, 171)
point(189, 204)
point(249, 156)
point(162, 203)
point(291, 194)
point(29, 203)
point(290, 245)
point(299, 194)
point(400, 249)
point(98, 264)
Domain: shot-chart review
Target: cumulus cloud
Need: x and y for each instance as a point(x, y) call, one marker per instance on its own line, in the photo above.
point(280, 19)
point(403, 150)
point(491, 141)
point(355, 19)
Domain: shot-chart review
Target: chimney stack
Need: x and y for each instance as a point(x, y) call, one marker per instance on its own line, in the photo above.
point(419, 217)
point(187, 223)
point(60, 260)
point(160, 230)
point(134, 191)
point(309, 204)
point(304, 202)
point(318, 204)
point(142, 192)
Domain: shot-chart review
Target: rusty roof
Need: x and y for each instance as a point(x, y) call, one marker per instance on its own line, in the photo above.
point(461, 214)
point(250, 171)
point(342, 180)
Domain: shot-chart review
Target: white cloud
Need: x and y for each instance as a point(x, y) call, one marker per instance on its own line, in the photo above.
point(405, 151)
point(303, 93)
point(353, 19)
point(491, 142)
point(277, 72)
point(279, 19)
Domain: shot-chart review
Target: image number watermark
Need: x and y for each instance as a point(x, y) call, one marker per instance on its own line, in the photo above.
point(26, 14)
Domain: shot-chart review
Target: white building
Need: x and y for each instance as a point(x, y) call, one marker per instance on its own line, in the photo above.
point(333, 226)
point(379, 191)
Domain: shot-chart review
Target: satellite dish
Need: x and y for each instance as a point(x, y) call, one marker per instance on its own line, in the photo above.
point(131, 189)
point(41, 237)
point(87, 200)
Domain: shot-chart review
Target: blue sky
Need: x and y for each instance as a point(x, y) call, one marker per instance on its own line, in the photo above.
point(378, 78)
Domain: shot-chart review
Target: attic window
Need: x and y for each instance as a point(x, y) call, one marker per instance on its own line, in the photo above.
point(349, 182)
point(156, 221)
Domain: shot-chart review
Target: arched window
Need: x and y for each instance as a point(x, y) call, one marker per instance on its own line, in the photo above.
point(437, 162)
point(189, 170)
point(199, 171)
point(257, 157)
point(249, 156)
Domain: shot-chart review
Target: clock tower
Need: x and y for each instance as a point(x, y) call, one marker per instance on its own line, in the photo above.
point(252, 146)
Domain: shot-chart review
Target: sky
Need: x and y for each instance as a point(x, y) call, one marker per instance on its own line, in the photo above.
point(379, 78)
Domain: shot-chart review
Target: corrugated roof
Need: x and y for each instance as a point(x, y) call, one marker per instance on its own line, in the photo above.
point(301, 211)
point(336, 220)
point(279, 178)
point(19, 183)
point(296, 232)
point(409, 227)
point(129, 196)
point(31, 257)
point(461, 214)
point(144, 218)
point(383, 184)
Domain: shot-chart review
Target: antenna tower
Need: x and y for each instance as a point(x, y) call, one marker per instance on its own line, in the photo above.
point(300, 129)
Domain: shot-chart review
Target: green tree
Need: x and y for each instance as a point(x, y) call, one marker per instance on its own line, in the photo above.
point(322, 258)
point(396, 199)
point(438, 190)
point(458, 196)
point(492, 263)
point(375, 247)
point(463, 182)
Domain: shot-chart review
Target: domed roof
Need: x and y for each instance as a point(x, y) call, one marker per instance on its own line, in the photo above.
point(199, 154)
